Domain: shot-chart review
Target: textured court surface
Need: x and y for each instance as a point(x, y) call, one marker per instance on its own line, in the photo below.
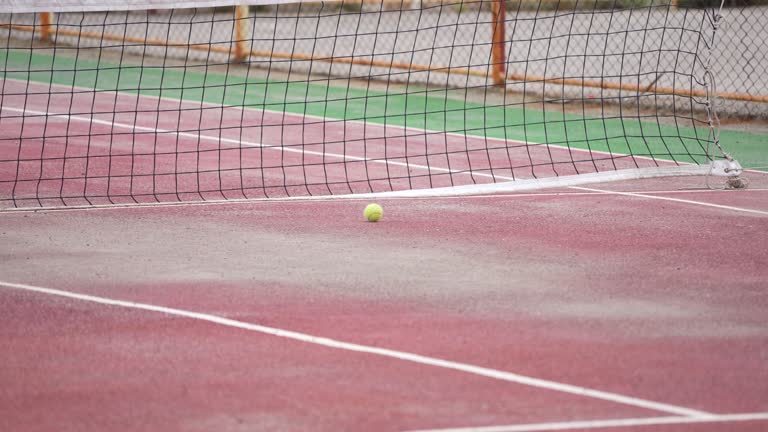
point(630, 306)
point(661, 302)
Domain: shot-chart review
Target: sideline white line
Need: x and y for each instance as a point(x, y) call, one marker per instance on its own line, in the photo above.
point(680, 200)
point(597, 424)
point(400, 355)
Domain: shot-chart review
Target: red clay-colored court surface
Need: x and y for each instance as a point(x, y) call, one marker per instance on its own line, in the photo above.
point(631, 306)
point(636, 306)
point(183, 248)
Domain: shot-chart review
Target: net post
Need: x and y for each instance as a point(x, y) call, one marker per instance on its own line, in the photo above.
point(240, 49)
point(45, 26)
point(498, 10)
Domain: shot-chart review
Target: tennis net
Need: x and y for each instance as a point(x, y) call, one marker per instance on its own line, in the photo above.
point(167, 102)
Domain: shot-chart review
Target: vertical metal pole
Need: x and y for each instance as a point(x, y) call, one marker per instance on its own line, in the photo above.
point(239, 34)
point(498, 69)
point(45, 26)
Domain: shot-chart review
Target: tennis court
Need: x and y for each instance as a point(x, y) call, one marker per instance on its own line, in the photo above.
point(604, 291)
point(184, 246)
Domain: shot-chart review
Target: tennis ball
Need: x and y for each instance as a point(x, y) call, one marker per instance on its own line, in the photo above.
point(373, 212)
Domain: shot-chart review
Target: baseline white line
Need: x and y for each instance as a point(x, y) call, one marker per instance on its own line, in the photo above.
point(597, 424)
point(680, 200)
point(400, 355)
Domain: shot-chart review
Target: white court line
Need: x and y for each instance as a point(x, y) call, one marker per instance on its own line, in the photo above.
point(384, 352)
point(304, 200)
point(490, 189)
point(237, 143)
point(679, 200)
point(612, 423)
point(363, 123)
point(668, 191)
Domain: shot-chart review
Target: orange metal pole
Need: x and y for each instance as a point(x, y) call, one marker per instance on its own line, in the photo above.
point(238, 34)
point(498, 71)
point(579, 82)
point(45, 26)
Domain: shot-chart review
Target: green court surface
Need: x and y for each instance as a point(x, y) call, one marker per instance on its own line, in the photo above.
point(416, 107)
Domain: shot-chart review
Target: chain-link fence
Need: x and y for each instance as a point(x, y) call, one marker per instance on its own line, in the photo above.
point(741, 59)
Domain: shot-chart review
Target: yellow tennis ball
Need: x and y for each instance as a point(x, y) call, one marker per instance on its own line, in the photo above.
point(373, 212)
